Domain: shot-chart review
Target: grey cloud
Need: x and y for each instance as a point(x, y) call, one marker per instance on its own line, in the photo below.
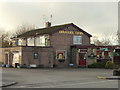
point(96, 18)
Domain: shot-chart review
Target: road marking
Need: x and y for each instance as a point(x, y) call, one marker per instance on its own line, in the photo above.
point(76, 84)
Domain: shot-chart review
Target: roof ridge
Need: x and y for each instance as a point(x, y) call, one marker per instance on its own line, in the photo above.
point(56, 26)
point(49, 30)
point(50, 27)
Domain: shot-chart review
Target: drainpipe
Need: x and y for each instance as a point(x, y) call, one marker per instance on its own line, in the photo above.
point(34, 41)
point(26, 42)
point(77, 58)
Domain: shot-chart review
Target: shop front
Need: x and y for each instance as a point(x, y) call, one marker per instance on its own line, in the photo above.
point(86, 55)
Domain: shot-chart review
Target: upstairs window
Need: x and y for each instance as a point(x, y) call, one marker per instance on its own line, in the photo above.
point(30, 41)
point(42, 41)
point(19, 42)
point(77, 39)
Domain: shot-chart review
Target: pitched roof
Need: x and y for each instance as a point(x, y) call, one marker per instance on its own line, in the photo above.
point(49, 30)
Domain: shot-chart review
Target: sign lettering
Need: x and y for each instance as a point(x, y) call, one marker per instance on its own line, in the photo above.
point(71, 32)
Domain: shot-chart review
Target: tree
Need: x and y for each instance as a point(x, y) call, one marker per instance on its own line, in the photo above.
point(118, 37)
point(5, 40)
point(96, 41)
point(103, 42)
point(23, 28)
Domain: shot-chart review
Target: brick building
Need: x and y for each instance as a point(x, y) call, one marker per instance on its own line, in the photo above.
point(47, 47)
point(50, 46)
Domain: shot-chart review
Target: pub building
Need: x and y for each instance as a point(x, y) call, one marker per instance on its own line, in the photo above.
point(55, 46)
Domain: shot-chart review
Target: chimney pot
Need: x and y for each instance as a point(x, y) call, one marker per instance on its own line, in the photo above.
point(47, 24)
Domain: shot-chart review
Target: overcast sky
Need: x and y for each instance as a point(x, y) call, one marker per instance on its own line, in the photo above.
point(97, 18)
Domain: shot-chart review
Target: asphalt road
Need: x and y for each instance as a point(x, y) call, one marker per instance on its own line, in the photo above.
point(58, 78)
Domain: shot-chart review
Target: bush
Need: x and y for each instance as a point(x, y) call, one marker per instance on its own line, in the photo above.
point(105, 64)
point(97, 65)
point(110, 65)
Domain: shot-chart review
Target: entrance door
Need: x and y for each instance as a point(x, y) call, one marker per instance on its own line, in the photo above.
point(82, 59)
point(6, 58)
point(16, 59)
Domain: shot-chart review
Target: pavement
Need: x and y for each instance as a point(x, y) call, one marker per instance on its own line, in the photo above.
point(7, 83)
point(58, 78)
point(10, 83)
point(109, 77)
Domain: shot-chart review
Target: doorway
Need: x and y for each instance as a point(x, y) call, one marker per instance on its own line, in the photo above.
point(6, 58)
point(16, 65)
point(82, 59)
point(16, 59)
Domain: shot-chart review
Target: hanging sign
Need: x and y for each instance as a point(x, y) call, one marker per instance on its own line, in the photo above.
point(61, 54)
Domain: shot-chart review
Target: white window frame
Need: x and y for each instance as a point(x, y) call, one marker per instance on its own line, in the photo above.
point(30, 43)
point(19, 42)
point(78, 42)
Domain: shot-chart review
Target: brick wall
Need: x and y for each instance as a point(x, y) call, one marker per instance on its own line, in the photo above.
point(63, 42)
point(45, 57)
point(27, 56)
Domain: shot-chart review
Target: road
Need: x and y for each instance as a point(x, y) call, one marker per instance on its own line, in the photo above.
point(58, 78)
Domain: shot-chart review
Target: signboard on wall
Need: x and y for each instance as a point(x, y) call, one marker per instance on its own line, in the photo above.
point(61, 54)
point(71, 32)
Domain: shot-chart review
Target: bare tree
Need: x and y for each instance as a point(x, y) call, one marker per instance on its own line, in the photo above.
point(23, 28)
point(104, 42)
point(118, 37)
point(5, 40)
point(96, 41)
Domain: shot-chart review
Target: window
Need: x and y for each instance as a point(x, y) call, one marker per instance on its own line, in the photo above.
point(37, 41)
point(77, 39)
point(30, 41)
point(36, 55)
point(19, 42)
point(42, 41)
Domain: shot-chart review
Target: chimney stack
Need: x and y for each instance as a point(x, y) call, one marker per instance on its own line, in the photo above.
point(47, 24)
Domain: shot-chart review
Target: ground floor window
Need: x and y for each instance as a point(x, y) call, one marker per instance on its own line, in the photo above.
point(36, 55)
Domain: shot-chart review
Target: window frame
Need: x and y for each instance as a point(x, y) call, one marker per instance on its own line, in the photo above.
point(75, 36)
point(36, 57)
